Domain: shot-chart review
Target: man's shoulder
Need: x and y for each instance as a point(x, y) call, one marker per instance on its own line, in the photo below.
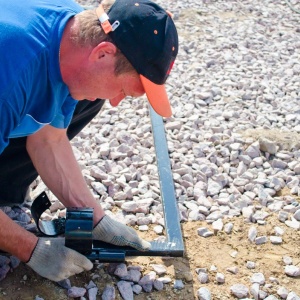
point(33, 15)
point(22, 16)
point(21, 6)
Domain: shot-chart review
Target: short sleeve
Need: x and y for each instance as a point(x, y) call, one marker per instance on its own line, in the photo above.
point(8, 123)
point(64, 115)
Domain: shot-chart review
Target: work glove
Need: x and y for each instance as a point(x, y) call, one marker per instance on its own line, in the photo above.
point(113, 232)
point(51, 259)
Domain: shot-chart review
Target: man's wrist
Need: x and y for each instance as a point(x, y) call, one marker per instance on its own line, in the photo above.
point(25, 252)
point(98, 216)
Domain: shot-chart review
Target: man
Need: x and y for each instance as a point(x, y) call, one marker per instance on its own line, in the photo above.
point(53, 56)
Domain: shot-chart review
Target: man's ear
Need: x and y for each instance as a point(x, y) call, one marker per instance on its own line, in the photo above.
point(101, 50)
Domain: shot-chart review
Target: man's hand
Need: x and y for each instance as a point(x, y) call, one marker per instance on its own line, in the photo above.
point(113, 232)
point(53, 157)
point(51, 259)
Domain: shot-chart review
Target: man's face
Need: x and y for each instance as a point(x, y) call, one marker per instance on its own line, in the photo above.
point(131, 86)
point(92, 84)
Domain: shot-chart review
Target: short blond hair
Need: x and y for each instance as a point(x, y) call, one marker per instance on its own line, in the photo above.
point(90, 33)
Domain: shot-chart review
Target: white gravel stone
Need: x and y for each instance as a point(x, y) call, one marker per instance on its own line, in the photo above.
point(76, 292)
point(276, 240)
point(258, 278)
point(293, 223)
point(133, 275)
point(159, 269)
point(239, 290)
point(283, 216)
point(202, 277)
point(204, 232)
point(287, 260)
point(278, 231)
point(271, 297)
point(129, 206)
point(252, 234)
point(228, 228)
point(273, 280)
point(233, 270)
point(234, 254)
point(282, 292)
point(158, 229)
point(143, 228)
point(217, 225)
point(297, 215)
point(92, 293)
point(292, 271)
point(137, 289)
point(147, 281)
point(121, 270)
point(165, 279)
point(261, 240)
point(253, 150)
point(178, 284)
point(158, 285)
point(260, 215)
point(250, 265)
point(292, 296)
point(254, 290)
point(125, 290)
point(204, 294)
point(220, 278)
point(267, 145)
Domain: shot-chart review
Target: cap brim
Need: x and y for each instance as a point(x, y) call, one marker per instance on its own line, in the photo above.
point(157, 96)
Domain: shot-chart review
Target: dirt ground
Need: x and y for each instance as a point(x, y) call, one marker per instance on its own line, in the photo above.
point(218, 250)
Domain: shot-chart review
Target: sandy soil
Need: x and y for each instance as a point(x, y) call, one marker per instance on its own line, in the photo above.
point(200, 253)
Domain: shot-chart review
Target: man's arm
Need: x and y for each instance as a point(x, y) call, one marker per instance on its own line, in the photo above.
point(52, 155)
point(53, 158)
point(14, 239)
point(48, 257)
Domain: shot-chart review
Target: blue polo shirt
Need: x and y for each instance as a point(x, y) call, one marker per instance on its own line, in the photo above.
point(32, 93)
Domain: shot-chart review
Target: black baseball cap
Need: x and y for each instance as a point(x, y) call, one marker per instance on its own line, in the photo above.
point(146, 34)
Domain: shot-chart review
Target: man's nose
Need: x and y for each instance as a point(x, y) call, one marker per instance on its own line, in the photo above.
point(116, 100)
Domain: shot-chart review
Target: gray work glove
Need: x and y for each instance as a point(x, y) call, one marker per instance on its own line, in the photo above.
point(51, 259)
point(113, 232)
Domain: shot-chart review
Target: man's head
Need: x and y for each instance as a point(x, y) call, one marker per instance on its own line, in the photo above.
point(146, 41)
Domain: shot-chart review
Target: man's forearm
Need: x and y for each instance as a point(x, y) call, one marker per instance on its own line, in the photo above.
point(15, 239)
point(56, 164)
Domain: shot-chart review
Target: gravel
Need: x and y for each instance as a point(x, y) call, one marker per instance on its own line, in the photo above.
point(233, 139)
